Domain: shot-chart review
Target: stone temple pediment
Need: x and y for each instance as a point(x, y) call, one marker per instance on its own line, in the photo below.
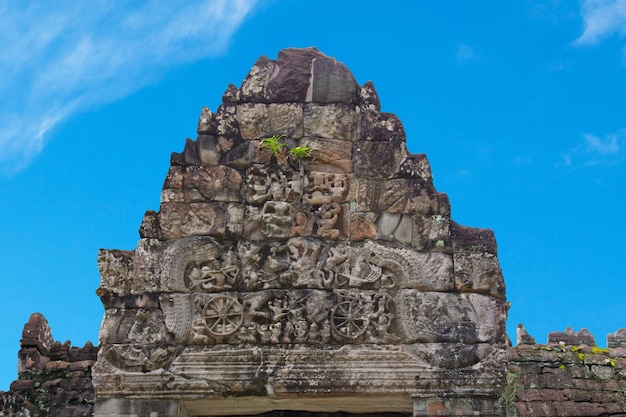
point(301, 259)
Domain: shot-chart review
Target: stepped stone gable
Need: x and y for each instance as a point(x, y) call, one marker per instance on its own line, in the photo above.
point(335, 282)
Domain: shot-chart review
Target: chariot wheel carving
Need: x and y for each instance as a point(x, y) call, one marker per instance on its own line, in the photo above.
point(223, 315)
point(349, 319)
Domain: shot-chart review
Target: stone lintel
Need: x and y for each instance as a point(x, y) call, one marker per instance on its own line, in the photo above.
point(456, 406)
point(122, 407)
point(250, 405)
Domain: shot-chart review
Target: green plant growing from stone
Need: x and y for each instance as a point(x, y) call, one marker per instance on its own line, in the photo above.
point(274, 144)
point(301, 152)
point(277, 147)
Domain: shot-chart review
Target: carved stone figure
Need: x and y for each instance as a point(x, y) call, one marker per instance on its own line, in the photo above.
point(276, 219)
point(328, 216)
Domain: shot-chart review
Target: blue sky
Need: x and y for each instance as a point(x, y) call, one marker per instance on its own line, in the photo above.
point(518, 106)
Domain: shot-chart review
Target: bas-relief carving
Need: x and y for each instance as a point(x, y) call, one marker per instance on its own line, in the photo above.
point(478, 272)
point(333, 121)
point(136, 339)
point(360, 282)
point(266, 257)
point(210, 265)
point(181, 220)
point(294, 317)
point(265, 184)
point(352, 304)
point(330, 156)
point(429, 317)
point(218, 274)
point(286, 119)
point(324, 188)
point(115, 269)
point(202, 184)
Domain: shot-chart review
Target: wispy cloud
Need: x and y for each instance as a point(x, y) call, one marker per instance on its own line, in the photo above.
point(601, 19)
point(557, 65)
point(595, 151)
point(66, 56)
point(465, 53)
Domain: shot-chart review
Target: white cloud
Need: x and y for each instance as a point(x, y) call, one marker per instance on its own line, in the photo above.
point(60, 59)
point(557, 65)
point(465, 53)
point(609, 146)
point(594, 151)
point(601, 19)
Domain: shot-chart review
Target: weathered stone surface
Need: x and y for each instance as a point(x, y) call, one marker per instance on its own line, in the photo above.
point(377, 126)
point(432, 317)
point(368, 97)
point(522, 336)
point(572, 338)
point(254, 121)
point(415, 166)
point(54, 379)
point(182, 220)
point(205, 122)
point(331, 82)
point(563, 379)
point(37, 333)
point(286, 119)
point(255, 83)
point(232, 95)
point(478, 272)
point(292, 75)
point(378, 159)
point(336, 281)
point(407, 196)
point(617, 339)
point(330, 155)
point(468, 239)
point(195, 184)
point(225, 121)
point(330, 121)
point(306, 270)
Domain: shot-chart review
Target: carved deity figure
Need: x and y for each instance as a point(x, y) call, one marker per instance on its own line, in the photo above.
point(328, 216)
point(276, 219)
point(250, 255)
point(303, 225)
point(215, 275)
point(258, 187)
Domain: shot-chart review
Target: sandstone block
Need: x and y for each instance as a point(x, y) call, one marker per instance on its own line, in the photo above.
point(430, 317)
point(255, 83)
point(206, 125)
point(363, 226)
point(254, 121)
point(331, 82)
point(226, 123)
point(571, 338)
point(478, 272)
point(617, 339)
point(469, 239)
point(37, 333)
point(291, 77)
point(329, 155)
point(182, 220)
point(378, 159)
point(415, 166)
point(368, 97)
point(330, 121)
point(286, 119)
point(377, 126)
